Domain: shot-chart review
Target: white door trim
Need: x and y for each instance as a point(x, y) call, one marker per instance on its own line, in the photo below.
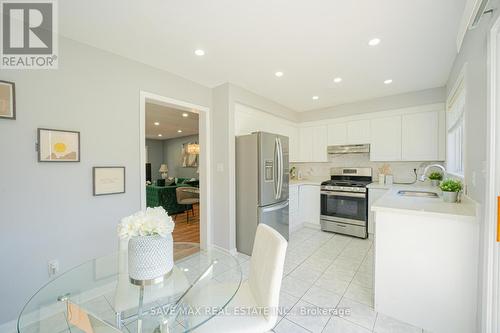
point(491, 273)
point(205, 145)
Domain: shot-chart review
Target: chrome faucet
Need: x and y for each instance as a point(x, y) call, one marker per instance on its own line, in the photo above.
point(424, 175)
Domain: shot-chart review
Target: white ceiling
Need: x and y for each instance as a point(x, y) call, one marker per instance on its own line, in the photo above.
point(170, 121)
point(311, 41)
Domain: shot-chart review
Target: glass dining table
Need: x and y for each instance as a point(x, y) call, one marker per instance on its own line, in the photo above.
point(98, 296)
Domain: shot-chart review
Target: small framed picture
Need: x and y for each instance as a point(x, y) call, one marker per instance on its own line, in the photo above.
point(7, 100)
point(108, 180)
point(58, 145)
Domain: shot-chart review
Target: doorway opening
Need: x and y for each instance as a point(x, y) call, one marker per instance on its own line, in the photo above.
point(174, 164)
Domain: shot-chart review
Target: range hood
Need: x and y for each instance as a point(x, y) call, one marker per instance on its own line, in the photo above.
point(349, 149)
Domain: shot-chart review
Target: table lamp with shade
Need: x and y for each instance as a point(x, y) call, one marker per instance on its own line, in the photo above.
point(163, 171)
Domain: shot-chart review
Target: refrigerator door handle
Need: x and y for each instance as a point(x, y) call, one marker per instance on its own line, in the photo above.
point(274, 207)
point(281, 168)
point(277, 161)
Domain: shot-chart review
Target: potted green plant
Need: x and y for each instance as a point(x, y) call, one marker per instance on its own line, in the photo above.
point(436, 177)
point(450, 188)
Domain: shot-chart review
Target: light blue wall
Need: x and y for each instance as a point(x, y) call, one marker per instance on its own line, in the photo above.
point(47, 210)
point(172, 150)
point(155, 157)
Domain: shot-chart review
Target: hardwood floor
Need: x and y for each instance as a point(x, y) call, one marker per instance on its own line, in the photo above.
point(187, 232)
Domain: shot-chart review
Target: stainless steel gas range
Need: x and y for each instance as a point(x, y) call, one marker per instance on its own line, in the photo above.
point(344, 201)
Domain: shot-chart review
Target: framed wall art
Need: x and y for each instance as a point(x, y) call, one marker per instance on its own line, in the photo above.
point(7, 100)
point(189, 155)
point(58, 145)
point(108, 180)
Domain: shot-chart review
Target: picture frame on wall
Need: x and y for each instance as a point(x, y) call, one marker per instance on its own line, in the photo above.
point(58, 145)
point(108, 180)
point(7, 100)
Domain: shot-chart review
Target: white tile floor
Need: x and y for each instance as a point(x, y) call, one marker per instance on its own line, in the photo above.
point(323, 272)
point(328, 271)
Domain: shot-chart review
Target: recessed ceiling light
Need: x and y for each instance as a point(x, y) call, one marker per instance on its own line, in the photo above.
point(185, 115)
point(279, 74)
point(389, 81)
point(315, 98)
point(374, 42)
point(199, 52)
point(337, 80)
point(157, 123)
point(160, 135)
point(179, 131)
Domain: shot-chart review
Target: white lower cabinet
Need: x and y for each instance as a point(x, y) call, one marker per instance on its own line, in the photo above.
point(373, 195)
point(309, 204)
point(293, 209)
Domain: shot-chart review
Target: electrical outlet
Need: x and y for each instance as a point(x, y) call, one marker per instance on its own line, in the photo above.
point(53, 266)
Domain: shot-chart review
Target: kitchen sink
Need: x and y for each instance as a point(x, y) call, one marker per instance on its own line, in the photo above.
point(421, 194)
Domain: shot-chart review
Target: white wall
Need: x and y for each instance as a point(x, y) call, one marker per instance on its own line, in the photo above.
point(155, 157)
point(424, 97)
point(474, 52)
point(172, 152)
point(224, 99)
point(47, 211)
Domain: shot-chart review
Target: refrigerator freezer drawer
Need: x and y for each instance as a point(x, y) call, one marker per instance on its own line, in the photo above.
point(343, 228)
point(276, 216)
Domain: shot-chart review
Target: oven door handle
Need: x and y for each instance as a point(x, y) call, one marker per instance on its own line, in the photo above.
point(344, 194)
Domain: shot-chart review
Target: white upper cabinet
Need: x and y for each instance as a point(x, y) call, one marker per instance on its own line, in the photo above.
point(386, 139)
point(420, 136)
point(358, 132)
point(313, 144)
point(306, 144)
point(337, 134)
point(411, 134)
point(320, 144)
point(293, 144)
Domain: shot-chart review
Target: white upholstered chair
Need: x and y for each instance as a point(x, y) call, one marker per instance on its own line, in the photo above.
point(262, 289)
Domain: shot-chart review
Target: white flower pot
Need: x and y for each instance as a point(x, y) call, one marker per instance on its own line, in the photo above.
point(435, 182)
point(150, 257)
point(450, 196)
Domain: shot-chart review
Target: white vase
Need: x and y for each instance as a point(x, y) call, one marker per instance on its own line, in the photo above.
point(150, 257)
point(450, 196)
point(381, 179)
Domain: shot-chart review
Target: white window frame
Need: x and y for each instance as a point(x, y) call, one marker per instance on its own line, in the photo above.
point(456, 123)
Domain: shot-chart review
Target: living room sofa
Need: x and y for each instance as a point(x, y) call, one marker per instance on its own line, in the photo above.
point(166, 197)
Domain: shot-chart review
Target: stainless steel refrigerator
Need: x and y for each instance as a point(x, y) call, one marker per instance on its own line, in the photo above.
point(262, 175)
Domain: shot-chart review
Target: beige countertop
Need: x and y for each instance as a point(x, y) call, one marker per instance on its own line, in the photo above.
point(296, 182)
point(421, 185)
point(393, 202)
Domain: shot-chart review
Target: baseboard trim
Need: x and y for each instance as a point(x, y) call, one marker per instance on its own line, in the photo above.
point(9, 327)
point(312, 226)
point(232, 252)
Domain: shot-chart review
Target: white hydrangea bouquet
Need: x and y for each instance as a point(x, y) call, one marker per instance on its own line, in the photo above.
point(150, 246)
point(153, 221)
